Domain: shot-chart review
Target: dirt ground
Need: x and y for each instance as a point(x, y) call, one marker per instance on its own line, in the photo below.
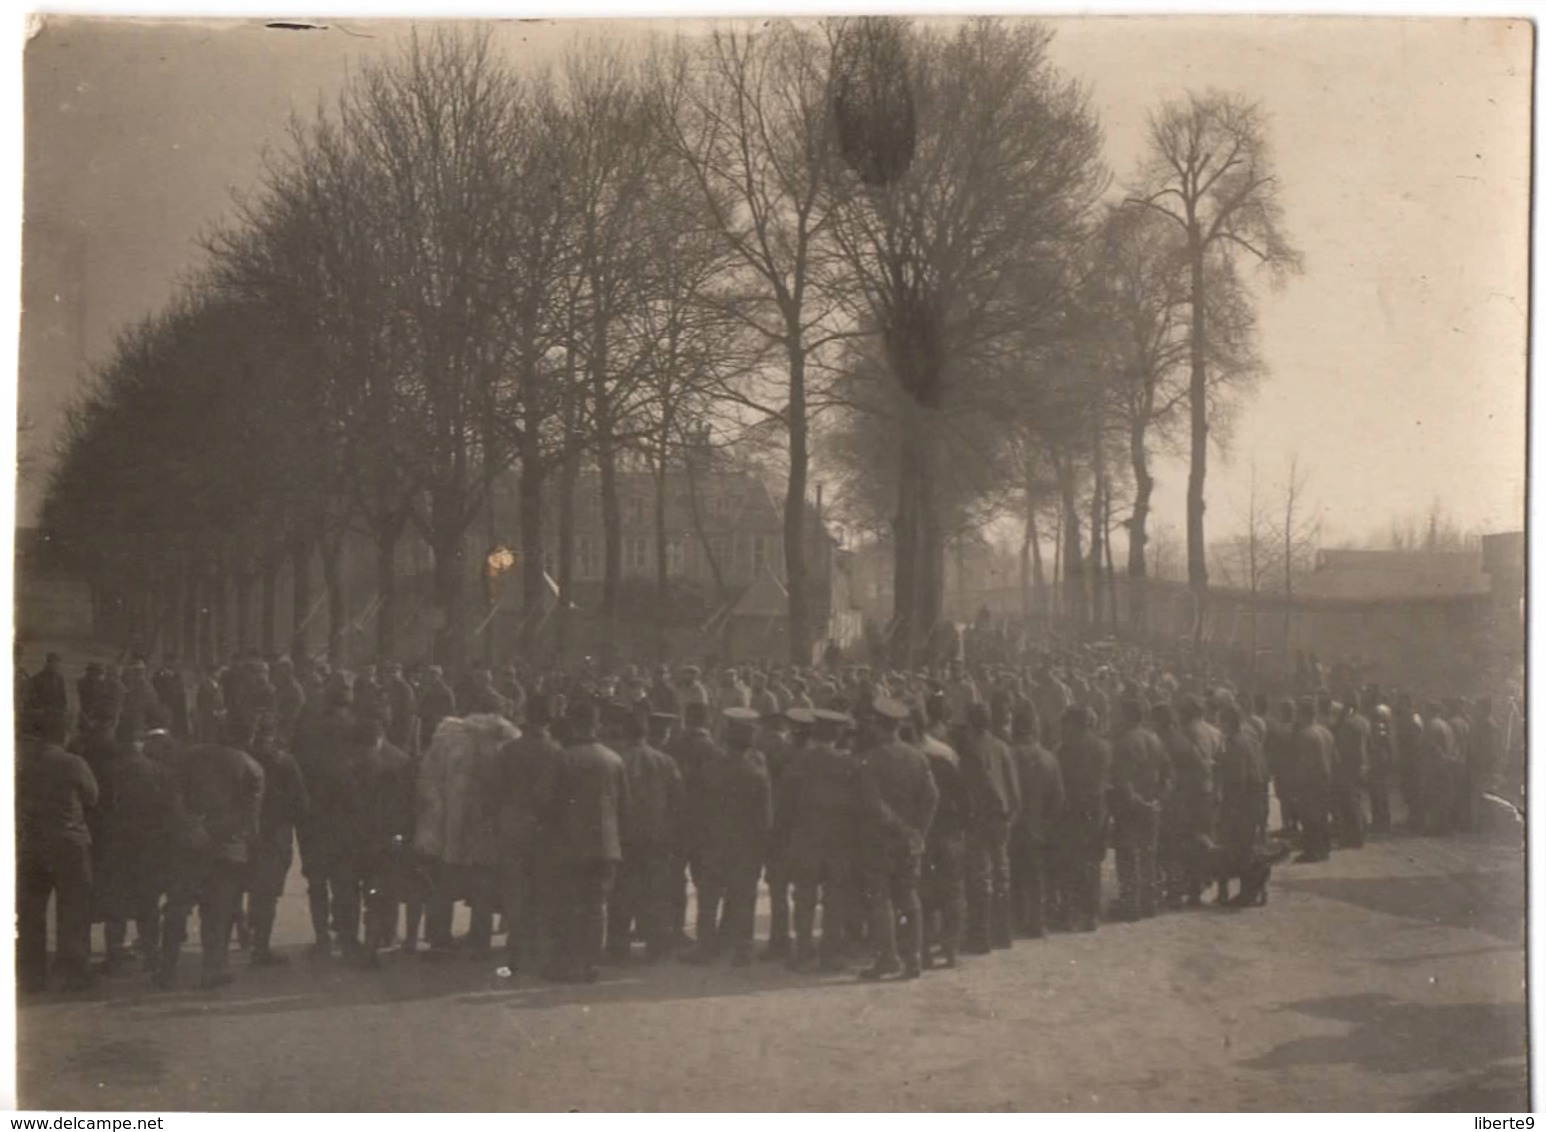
point(1391, 978)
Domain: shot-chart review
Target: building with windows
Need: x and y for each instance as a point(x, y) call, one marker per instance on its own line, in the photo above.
point(722, 531)
point(724, 560)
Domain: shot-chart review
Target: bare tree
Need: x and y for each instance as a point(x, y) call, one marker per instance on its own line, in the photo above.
point(1210, 171)
point(955, 229)
point(748, 112)
point(1138, 286)
point(612, 151)
point(1250, 560)
point(1300, 536)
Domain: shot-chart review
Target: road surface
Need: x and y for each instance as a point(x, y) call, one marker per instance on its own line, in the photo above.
point(1391, 978)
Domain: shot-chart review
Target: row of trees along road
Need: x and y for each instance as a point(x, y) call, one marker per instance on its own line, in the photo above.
point(890, 246)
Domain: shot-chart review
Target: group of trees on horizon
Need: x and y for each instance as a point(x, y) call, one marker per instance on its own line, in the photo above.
point(891, 251)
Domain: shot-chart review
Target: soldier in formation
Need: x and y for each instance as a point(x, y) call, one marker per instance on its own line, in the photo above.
point(898, 819)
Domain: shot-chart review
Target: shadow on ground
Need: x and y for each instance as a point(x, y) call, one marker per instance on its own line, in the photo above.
point(402, 979)
point(1388, 1036)
point(1492, 902)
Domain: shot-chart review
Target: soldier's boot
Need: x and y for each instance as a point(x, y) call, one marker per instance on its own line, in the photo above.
point(174, 930)
point(263, 955)
point(882, 968)
point(413, 920)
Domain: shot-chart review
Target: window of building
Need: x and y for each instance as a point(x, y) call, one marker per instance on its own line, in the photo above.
point(676, 557)
point(636, 553)
point(634, 509)
point(759, 553)
point(719, 550)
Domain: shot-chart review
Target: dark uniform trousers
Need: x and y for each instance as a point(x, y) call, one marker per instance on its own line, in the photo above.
point(315, 866)
point(215, 887)
point(779, 890)
point(890, 886)
point(386, 882)
point(63, 871)
point(678, 884)
point(579, 920)
point(830, 881)
point(265, 885)
point(944, 894)
point(1137, 854)
point(640, 905)
point(987, 894)
point(1350, 815)
point(521, 904)
point(145, 884)
point(475, 885)
point(1077, 866)
point(727, 903)
point(1379, 798)
point(1315, 819)
point(345, 881)
point(1028, 885)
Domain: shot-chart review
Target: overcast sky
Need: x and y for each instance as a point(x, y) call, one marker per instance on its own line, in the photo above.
point(1397, 361)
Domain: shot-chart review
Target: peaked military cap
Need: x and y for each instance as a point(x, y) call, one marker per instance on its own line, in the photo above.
point(888, 708)
point(740, 715)
point(801, 716)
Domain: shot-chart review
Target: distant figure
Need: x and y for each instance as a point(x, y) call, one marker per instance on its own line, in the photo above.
point(49, 697)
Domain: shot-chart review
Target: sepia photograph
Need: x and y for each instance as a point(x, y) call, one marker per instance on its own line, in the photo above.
point(845, 563)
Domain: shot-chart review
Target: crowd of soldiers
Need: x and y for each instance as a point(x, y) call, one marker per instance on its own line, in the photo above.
point(924, 815)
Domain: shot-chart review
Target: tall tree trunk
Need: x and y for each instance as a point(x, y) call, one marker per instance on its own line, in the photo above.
point(491, 584)
point(1038, 571)
point(1196, 539)
point(567, 482)
point(448, 547)
point(269, 605)
point(337, 601)
point(904, 563)
point(662, 559)
point(795, 574)
point(612, 545)
point(1288, 571)
point(1097, 536)
point(387, 538)
point(223, 639)
point(300, 599)
point(1138, 535)
point(193, 596)
point(244, 588)
point(1073, 552)
point(1057, 564)
point(533, 582)
point(1111, 568)
point(1027, 596)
